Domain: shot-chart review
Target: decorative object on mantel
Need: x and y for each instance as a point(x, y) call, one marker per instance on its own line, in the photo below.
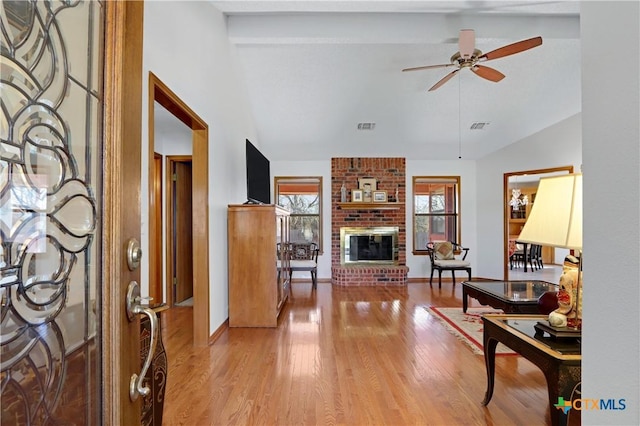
point(372, 182)
point(343, 194)
point(366, 193)
point(356, 196)
point(367, 185)
point(379, 196)
point(556, 220)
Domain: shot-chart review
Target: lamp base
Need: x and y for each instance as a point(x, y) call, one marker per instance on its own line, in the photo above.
point(557, 332)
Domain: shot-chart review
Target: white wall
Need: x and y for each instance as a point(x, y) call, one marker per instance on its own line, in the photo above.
point(312, 168)
point(481, 185)
point(173, 137)
point(193, 57)
point(611, 152)
point(418, 265)
point(481, 193)
point(555, 146)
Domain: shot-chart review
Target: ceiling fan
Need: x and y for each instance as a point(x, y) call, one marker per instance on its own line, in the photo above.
point(469, 57)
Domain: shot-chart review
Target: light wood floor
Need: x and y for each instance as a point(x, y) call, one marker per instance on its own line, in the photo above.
point(354, 356)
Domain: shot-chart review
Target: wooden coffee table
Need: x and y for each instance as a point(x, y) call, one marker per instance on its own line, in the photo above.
point(513, 297)
point(559, 359)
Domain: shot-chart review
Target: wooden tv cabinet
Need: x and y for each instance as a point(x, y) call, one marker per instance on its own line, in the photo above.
point(258, 281)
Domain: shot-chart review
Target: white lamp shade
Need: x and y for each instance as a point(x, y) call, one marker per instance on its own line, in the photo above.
point(556, 216)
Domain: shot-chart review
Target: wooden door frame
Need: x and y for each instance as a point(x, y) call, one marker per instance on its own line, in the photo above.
point(121, 203)
point(507, 207)
point(169, 230)
point(155, 208)
point(159, 92)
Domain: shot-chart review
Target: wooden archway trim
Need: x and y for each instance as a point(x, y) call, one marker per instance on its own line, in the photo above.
point(160, 92)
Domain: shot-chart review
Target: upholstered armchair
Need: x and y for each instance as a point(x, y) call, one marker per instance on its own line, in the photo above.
point(443, 258)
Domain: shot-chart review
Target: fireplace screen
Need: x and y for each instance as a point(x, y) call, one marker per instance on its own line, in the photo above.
point(378, 245)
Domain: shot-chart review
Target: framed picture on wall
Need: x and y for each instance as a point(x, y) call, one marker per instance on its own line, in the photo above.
point(356, 196)
point(372, 182)
point(379, 196)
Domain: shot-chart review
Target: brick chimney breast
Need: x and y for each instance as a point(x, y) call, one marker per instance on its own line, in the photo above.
point(391, 177)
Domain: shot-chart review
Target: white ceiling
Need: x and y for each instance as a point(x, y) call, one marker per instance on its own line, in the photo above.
point(315, 69)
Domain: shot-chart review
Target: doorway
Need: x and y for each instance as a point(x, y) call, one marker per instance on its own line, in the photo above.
point(160, 93)
point(156, 278)
point(514, 217)
point(179, 231)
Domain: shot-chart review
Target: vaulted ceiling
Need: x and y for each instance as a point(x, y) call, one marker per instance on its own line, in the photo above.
point(314, 70)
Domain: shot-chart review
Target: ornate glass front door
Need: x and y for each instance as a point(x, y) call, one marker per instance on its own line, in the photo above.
point(51, 78)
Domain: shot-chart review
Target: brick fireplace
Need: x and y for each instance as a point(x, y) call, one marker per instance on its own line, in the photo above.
point(390, 176)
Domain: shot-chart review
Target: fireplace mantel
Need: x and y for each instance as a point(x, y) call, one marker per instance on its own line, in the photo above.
point(369, 206)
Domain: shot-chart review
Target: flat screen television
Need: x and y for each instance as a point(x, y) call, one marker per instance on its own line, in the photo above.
point(258, 176)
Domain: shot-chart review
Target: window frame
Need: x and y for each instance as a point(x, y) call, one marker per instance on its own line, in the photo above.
point(457, 214)
point(309, 180)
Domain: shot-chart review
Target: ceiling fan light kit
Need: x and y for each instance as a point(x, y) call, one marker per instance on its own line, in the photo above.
point(468, 57)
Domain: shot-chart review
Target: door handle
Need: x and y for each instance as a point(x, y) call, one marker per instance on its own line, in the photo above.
point(136, 384)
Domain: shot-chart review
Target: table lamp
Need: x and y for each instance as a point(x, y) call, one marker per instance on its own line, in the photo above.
point(556, 220)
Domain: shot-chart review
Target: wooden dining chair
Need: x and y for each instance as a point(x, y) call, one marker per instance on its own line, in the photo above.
point(536, 256)
point(517, 257)
point(304, 257)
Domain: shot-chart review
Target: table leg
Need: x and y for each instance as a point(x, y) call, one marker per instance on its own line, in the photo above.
point(561, 383)
point(490, 362)
point(464, 299)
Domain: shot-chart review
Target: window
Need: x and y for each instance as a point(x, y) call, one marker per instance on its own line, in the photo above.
point(436, 211)
point(302, 196)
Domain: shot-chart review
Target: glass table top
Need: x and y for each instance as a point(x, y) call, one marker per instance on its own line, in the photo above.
point(515, 291)
point(526, 326)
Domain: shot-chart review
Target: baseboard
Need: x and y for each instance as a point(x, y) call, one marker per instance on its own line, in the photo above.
point(308, 280)
point(216, 334)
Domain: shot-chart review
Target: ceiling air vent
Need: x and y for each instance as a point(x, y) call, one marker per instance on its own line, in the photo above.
point(366, 126)
point(479, 125)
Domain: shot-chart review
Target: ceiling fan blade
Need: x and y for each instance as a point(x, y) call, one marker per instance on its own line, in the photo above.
point(467, 43)
point(511, 49)
point(428, 67)
point(444, 80)
point(488, 73)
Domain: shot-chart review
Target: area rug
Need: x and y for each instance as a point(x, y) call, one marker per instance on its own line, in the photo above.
point(468, 327)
